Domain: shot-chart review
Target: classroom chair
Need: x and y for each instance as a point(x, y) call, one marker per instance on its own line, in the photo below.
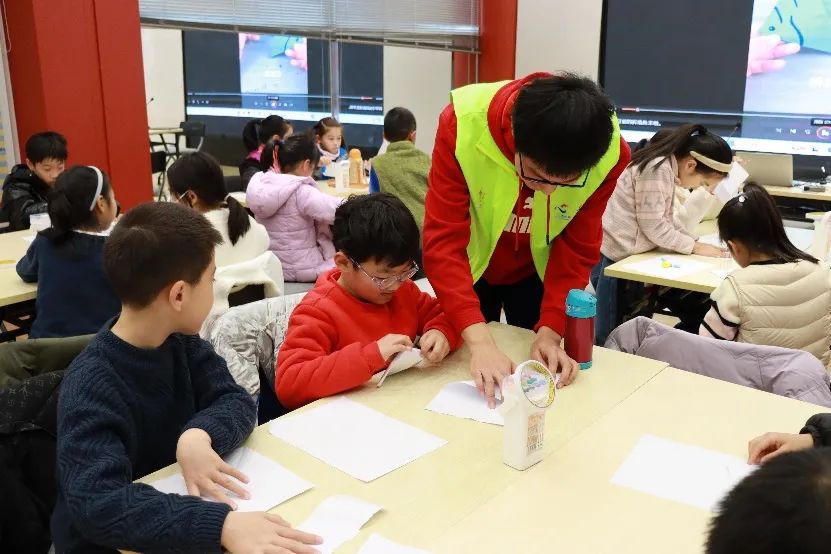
point(22, 360)
point(194, 134)
point(792, 373)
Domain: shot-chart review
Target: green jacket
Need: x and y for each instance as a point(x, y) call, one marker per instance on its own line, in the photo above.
point(402, 171)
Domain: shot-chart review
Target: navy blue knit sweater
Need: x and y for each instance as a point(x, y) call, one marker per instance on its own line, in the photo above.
point(120, 415)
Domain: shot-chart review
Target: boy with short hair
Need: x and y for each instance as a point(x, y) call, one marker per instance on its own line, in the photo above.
point(363, 312)
point(27, 186)
point(402, 170)
point(148, 392)
point(784, 506)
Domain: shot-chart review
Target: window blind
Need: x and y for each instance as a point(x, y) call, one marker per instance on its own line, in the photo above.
point(446, 24)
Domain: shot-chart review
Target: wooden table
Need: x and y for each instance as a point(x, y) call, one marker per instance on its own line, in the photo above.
point(427, 497)
point(328, 186)
point(799, 193)
point(567, 502)
point(13, 290)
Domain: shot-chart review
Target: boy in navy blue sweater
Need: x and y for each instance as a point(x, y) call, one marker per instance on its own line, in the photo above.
point(146, 393)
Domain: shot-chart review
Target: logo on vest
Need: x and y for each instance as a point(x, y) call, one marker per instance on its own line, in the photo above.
point(562, 210)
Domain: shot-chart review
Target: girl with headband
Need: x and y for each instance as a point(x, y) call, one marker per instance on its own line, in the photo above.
point(65, 260)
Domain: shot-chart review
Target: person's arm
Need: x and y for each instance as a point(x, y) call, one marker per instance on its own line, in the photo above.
point(374, 184)
point(22, 204)
point(819, 427)
point(224, 410)
point(316, 204)
point(723, 320)
point(95, 476)
point(447, 230)
point(694, 209)
point(309, 367)
point(431, 316)
point(577, 250)
point(653, 189)
point(27, 266)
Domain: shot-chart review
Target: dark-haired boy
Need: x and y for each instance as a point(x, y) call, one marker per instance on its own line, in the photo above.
point(402, 170)
point(27, 186)
point(363, 312)
point(147, 392)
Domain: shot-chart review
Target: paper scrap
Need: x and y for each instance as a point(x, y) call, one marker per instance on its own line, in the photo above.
point(463, 399)
point(684, 473)
point(401, 362)
point(337, 520)
point(270, 484)
point(355, 439)
point(729, 186)
point(376, 544)
point(668, 266)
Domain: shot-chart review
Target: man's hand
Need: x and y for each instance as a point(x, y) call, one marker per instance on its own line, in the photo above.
point(546, 349)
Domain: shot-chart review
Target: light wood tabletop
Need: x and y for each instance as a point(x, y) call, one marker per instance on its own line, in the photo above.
point(567, 503)
point(428, 496)
point(799, 193)
point(13, 246)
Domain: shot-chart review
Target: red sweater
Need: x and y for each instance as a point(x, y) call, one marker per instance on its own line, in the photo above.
point(330, 346)
point(574, 252)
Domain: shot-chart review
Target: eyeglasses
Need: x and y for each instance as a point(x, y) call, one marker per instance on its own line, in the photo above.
point(546, 181)
point(388, 282)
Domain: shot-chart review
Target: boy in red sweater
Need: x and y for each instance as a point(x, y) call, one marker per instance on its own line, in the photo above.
point(363, 312)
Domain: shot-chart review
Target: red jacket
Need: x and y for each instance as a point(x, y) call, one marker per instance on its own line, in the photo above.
point(574, 252)
point(330, 346)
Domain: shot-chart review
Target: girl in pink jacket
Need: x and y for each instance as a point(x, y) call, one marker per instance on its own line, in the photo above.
point(296, 214)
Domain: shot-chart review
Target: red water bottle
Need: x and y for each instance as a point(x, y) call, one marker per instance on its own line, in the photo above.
point(581, 308)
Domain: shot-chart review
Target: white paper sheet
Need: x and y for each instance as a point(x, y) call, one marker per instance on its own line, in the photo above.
point(337, 520)
point(684, 473)
point(669, 267)
point(801, 238)
point(721, 273)
point(401, 362)
point(355, 439)
point(270, 483)
point(463, 399)
point(29, 238)
point(376, 544)
point(729, 187)
point(711, 239)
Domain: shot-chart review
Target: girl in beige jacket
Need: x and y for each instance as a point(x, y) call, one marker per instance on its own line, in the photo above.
point(781, 296)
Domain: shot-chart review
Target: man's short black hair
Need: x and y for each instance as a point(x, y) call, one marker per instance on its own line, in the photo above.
point(376, 226)
point(398, 124)
point(46, 146)
point(563, 123)
point(784, 506)
point(153, 246)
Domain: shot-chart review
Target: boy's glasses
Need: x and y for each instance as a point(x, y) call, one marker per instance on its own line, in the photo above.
point(388, 282)
point(546, 181)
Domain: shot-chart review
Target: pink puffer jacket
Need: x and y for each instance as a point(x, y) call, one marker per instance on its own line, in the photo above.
point(296, 215)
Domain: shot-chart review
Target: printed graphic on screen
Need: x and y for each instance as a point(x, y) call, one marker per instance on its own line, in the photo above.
point(789, 57)
point(273, 64)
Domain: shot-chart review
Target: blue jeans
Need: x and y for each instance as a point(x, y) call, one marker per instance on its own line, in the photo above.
point(606, 289)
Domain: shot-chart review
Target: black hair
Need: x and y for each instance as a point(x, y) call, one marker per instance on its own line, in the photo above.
point(683, 140)
point(70, 200)
point(753, 219)
point(200, 173)
point(782, 507)
point(290, 152)
point(322, 127)
point(45, 146)
point(657, 137)
point(376, 226)
point(259, 131)
point(154, 245)
point(398, 124)
point(563, 123)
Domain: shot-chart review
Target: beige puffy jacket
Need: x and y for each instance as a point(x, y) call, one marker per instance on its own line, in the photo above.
point(779, 304)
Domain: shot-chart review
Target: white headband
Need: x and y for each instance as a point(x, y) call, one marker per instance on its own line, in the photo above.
point(711, 163)
point(98, 187)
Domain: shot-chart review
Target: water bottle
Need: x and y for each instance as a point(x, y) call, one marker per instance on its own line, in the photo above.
point(581, 308)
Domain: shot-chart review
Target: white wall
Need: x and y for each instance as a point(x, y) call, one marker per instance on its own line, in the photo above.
point(419, 80)
point(558, 35)
point(164, 78)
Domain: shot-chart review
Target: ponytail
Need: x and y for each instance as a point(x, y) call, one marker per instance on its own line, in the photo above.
point(292, 151)
point(201, 174)
point(258, 132)
point(72, 201)
point(269, 155)
point(250, 134)
point(711, 152)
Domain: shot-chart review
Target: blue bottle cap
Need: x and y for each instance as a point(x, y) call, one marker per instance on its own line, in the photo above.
point(581, 304)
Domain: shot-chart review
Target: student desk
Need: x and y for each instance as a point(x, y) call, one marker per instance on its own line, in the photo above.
point(12, 289)
point(566, 503)
point(427, 497)
point(322, 185)
point(800, 194)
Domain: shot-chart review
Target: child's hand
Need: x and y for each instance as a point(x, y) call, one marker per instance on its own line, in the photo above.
point(761, 449)
point(258, 532)
point(324, 162)
point(205, 473)
point(391, 345)
point(434, 346)
point(704, 249)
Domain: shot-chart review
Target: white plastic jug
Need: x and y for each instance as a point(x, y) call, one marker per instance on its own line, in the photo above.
point(526, 395)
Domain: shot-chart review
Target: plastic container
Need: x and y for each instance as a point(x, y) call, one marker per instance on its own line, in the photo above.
point(341, 172)
point(581, 309)
point(356, 170)
point(526, 395)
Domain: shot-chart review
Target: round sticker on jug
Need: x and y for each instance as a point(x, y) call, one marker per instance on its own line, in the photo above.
point(537, 383)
